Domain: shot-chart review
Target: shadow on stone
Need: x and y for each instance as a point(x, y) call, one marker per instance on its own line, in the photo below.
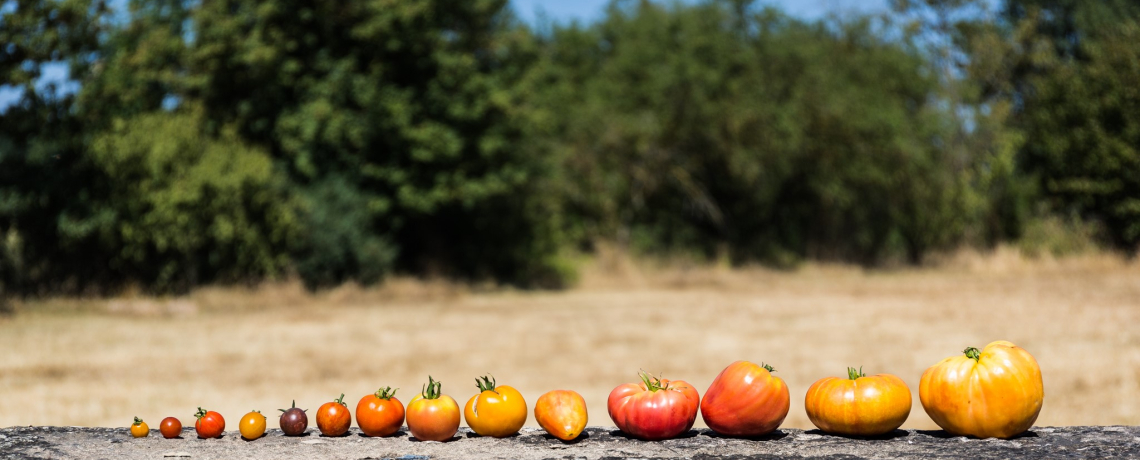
point(413, 439)
point(624, 435)
point(884, 437)
point(472, 434)
point(773, 436)
point(942, 434)
point(581, 437)
point(397, 434)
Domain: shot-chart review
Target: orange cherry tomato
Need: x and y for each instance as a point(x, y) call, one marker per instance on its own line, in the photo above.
point(562, 413)
point(746, 400)
point(139, 429)
point(380, 414)
point(170, 428)
point(333, 417)
point(655, 408)
point(497, 411)
point(993, 393)
point(433, 416)
point(858, 405)
point(252, 425)
point(210, 424)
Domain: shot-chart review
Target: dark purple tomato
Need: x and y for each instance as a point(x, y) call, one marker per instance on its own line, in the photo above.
point(293, 421)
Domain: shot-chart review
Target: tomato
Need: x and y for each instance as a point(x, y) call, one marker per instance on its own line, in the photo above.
point(858, 405)
point(170, 428)
point(433, 416)
point(562, 413)
point(655, 408)
point(496, 411)
point(746, 400)
point(380, 414)
point(994, 393)
point(333, 418)
point(139, 429)
point(210, 424)
point(252, 425)
point(293, 420)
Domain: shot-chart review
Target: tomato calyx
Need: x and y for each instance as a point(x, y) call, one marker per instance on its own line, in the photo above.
point(340, 400)
point(138, 421)
point(295, 406)
point(853, 374)
point(201, 413)
point(652, 383)
point(487, 384)
point(433, 389)
point(972, 353)
point(768, 367)
point(387, 393)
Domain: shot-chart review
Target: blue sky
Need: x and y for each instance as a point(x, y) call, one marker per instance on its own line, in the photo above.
point(529, 11)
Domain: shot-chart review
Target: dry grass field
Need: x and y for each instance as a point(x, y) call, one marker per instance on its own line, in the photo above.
point(100, 362)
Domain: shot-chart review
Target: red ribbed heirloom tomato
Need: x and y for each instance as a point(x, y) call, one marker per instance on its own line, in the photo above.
point(333, 418)
point(380, 413)
point(432, 415)
point(746, 400)
point(210, 424)
point(654, 409)
point(993, 393)
point(858, 405)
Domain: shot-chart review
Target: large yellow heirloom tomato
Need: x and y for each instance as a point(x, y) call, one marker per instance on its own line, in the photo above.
point(993, 393)
point(497, 411)
point(858, 405)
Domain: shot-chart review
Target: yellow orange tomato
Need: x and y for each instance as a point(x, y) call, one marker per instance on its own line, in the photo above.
point(858, 405)
point(562, 413)
point(252, 425)
point(993, 393)
point(431, 415)
point(139, 429)
point(497, 411)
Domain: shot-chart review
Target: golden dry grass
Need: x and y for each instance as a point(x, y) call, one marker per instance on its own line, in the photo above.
point(100, 362)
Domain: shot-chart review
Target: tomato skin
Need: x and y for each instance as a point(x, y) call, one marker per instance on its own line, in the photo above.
point(139, 428)
point(170, 428)
point(562, 413)
point(333, 418)
point(865, 406)
point(497, 411)
point(433, 419)
point(210, 424)
point(997, 395)
point(252, 425)
point(380, 414)
point(654, 409)
point(745, 400)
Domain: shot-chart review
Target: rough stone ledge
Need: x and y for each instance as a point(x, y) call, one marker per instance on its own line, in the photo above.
point(1100, 442)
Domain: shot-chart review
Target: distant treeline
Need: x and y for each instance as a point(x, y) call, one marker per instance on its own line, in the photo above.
point(239, 140)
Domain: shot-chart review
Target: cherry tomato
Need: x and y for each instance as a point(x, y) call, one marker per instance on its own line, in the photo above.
point(433, 416)
point(380, 414)
point(252, 425)
point(745, 400)
point(293, 420)
point(139, 429)
point(333, 418)
point(210, 424)
point(496, 411)
point(858, 405)
point(170, 428)
point(655, 408)
point(562, 413)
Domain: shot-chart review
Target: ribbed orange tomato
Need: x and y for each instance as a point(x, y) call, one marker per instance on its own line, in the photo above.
point(746, 400)
point(858, 405)
point(994, 393)
point(562, 413)
point(497, 411)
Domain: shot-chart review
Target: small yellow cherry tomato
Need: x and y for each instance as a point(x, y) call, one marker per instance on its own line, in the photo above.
point(139, 429)
point(495, 411)
point(252, 425)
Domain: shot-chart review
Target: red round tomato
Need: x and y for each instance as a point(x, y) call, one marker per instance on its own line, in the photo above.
point(380, 414)
point(170, 428)
point(655, 408)
point(745, 400)
point(210, 424)
point(333, 417)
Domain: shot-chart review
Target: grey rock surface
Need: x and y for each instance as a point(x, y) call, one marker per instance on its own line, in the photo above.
point(1102, 442)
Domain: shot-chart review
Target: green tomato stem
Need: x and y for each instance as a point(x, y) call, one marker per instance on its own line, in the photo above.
point(652, 383)
point(386, 393)
point(972, 353)
point(432, 390)
point(767, 367)
point(487, 384)
point(853, 374)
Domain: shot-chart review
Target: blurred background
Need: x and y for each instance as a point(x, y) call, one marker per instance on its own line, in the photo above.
point(233, 204)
